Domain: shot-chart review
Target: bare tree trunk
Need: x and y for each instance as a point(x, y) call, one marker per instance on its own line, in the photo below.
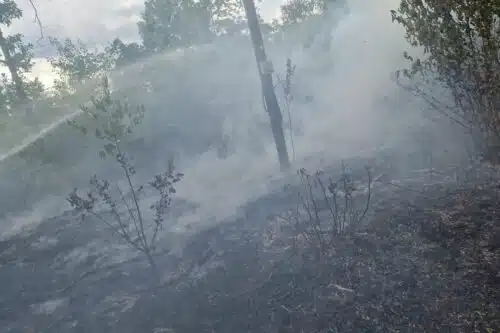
point(265, 73)
point(9, 62)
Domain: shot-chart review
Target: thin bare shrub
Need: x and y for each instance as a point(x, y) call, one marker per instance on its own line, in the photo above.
point(328, 209)
point(120, 208)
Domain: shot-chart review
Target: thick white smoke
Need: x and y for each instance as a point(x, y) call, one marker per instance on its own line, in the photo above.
point(346, 104)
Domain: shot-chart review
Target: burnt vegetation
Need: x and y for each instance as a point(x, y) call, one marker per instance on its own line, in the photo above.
point(353, 249)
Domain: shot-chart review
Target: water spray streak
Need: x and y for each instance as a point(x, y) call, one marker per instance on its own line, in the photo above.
point(37, 136)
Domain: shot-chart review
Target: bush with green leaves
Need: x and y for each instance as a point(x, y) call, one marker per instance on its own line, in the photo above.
point(461, 55)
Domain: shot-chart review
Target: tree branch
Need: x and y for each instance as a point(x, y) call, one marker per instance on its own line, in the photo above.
point(37, 19)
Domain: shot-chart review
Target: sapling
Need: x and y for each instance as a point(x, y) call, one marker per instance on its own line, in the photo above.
point(120, 208)
point(286, 85)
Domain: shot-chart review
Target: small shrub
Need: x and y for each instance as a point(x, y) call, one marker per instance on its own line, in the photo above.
point(327, 209)
point(109, 203)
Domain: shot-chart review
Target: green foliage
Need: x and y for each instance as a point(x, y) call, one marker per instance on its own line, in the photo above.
point(75, 63)
point(461, 43)
point(8, 93)
point(17, 57)
point(112, 119)
point(173, 23)
point(20, 52)
point(296, 11)
point(123, 53)
point(8, 12)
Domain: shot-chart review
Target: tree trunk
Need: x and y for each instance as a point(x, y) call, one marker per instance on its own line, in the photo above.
point(266, 78)
point(9, 62)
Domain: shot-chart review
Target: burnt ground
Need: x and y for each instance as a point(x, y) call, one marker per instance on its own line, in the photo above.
point(426, 260)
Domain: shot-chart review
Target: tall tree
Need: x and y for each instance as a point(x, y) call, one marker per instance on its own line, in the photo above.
point(266, 78)
point(168, 24)
point(461, 44)
point(17, 56)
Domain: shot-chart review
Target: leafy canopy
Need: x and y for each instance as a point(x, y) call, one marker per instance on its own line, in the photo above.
point(173, 23)
point(461, 43)
point(17, 57)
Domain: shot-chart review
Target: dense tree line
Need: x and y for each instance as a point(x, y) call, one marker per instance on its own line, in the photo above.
point(163, 25)
point(460, 39)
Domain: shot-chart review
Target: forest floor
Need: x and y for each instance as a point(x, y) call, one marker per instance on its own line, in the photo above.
point(426, 260)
